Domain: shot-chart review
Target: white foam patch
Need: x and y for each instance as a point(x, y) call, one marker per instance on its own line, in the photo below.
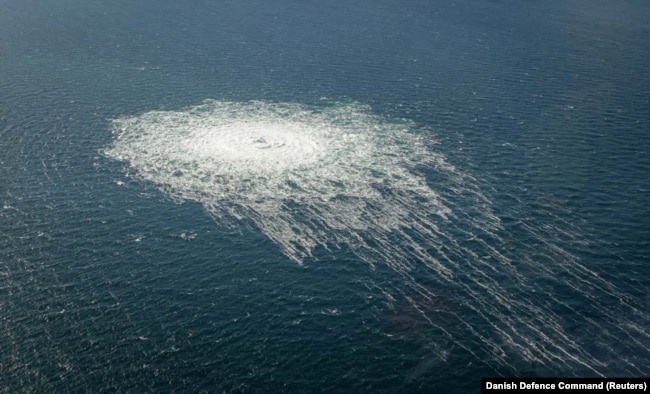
point(338, 175)
point(251, 159)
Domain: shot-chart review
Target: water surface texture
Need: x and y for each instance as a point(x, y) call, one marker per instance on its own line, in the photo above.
point(293, 196)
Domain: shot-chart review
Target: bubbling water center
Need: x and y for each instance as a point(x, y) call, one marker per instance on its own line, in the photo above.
point(339, 176)
point(251, 159)
point(275, 151)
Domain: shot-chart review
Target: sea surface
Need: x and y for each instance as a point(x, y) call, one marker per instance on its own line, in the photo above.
point(300, 196)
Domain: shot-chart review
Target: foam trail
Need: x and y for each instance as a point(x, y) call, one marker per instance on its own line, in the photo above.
point(337, 175)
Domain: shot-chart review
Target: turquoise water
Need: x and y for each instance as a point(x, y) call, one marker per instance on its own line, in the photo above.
point(442, 192)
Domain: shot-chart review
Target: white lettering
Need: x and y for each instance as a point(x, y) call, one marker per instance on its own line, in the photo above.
point(500, 386)
point(625, 386)
point(582, 386)
point(536, 386)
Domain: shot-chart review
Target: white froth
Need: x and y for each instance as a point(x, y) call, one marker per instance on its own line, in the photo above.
point(267, 151)
point(340, 176)
point(257, 147)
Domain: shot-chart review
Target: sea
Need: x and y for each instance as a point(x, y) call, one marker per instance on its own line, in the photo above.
point(246, 196)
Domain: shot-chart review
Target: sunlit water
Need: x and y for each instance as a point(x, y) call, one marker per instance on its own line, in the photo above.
point(299, 197)
point(338, 176)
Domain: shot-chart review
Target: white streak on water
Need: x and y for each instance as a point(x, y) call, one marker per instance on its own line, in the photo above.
point(338, 176)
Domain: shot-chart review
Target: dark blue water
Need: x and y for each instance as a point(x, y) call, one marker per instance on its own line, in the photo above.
point(109, 285)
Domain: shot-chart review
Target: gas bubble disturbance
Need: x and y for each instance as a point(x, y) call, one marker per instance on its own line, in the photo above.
point(338, 175)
